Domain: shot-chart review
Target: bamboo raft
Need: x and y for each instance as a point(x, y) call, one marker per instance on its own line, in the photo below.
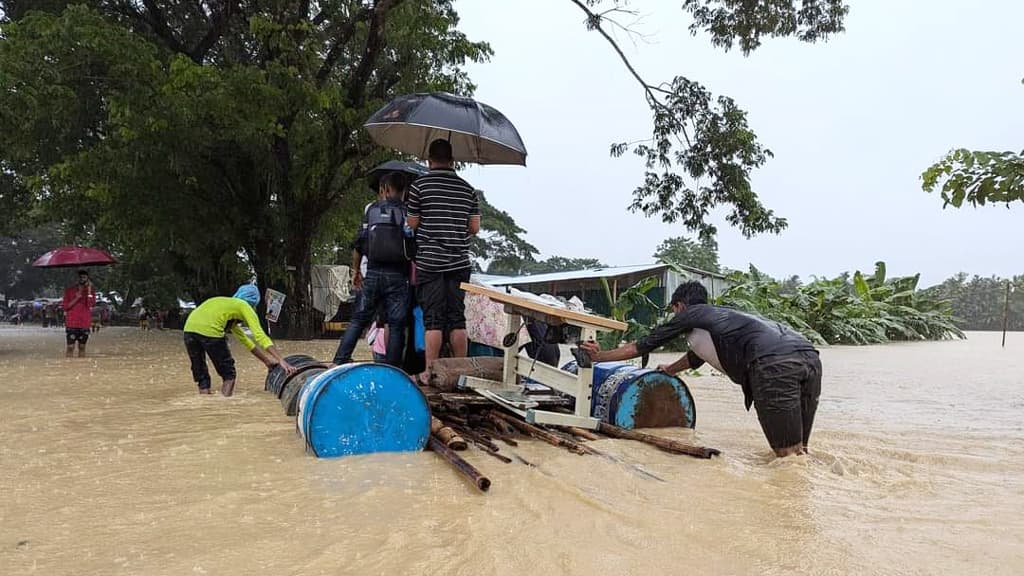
point(480, 416)
point(464, 420)
point(482, 403)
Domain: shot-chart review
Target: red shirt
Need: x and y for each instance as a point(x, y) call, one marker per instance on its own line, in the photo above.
point(78, 315)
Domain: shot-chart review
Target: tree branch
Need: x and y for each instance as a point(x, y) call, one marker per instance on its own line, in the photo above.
point(217, 28)
point(374, 44)
point(158, 22)
point(594, 23)
point(338, 47)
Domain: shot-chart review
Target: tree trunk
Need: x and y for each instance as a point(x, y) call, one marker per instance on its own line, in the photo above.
point(261, 258)
point(304, 321)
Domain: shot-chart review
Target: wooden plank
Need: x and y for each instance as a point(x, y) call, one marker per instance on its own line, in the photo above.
point(560, 419)
point(572, 317)
point(549, 376)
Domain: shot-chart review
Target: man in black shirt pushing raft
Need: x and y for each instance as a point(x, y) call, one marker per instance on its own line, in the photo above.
point(778, 369)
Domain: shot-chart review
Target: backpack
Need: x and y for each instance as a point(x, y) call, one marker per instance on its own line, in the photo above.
point(386, 242)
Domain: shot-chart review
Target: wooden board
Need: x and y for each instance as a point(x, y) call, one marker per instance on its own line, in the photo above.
point(570, 316)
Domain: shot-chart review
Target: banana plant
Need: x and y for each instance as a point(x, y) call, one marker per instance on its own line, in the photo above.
point(623, 305)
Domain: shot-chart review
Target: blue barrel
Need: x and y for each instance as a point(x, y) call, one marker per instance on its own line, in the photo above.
point(361, 409)
point(631, 397)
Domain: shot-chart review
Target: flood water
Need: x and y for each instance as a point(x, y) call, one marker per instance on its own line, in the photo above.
point(112, 464)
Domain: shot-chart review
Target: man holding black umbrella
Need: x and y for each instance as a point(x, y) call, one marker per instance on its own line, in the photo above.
point(444, 210)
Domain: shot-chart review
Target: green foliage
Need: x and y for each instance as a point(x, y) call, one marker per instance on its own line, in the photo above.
point(18, 279)
point(977, 177)
point(702, 254)
point(979, 303)
point(862, 310)
point(562, 264)
point(627, 304)
point(500, 241)
point(701, 151)
point(732, 21)
point(518, 267)
point(213, 136)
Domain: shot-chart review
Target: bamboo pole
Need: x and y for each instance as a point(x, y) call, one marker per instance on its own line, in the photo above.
point(501, 457)
point(580, 432)
point(544, 435)
point(572, 445)
point(446, 434)
point(478, 439)
point(483, 483)
point(665, 444)
point(1006, 311)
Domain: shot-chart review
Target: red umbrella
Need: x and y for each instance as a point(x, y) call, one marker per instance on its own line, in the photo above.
point(73, 256)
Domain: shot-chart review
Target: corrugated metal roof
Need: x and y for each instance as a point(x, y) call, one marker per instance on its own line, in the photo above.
point(489, 278)
point(610, 272)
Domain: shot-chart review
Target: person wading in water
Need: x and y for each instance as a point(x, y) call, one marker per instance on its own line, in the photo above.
point(778, 369)
point(205, 334)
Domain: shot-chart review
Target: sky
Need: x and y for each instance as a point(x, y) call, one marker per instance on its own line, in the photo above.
point(852, 123)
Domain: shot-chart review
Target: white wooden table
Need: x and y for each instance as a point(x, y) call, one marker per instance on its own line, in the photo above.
point(519, 364)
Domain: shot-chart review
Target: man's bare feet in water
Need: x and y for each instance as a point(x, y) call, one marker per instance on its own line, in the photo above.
point(228, 388)
point(205, 391)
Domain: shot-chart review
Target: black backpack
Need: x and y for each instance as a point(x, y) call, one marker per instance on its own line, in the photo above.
point(386, 242)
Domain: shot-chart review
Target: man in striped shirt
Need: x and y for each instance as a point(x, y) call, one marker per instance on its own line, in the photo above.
point(444, 211)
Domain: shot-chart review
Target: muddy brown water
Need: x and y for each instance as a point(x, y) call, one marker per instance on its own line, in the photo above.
point(112, 464)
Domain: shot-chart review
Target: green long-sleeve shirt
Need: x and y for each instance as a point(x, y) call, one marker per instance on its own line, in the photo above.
point(213, 317)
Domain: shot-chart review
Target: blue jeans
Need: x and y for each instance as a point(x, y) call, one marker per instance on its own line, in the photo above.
point(391, 288)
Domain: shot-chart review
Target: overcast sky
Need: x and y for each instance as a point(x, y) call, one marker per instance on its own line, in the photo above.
point(852, 122)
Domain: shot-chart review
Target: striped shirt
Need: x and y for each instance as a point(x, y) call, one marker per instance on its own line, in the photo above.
point(444, 203)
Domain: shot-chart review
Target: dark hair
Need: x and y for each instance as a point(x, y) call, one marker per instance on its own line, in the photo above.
point(440, 150)
point(690, 293)
point(397, 181)
point(83, 271)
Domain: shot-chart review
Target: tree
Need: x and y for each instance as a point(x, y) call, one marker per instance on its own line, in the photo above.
point(563, 264)
point(701, 150)
point(702, 254)
point(500, 242)
point(977, 177)
point(18, 279)
point(979, 303)
point(228, 133)
point(220, 132)
point(548, 265)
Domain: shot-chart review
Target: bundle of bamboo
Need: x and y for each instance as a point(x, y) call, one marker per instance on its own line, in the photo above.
point(482, 423)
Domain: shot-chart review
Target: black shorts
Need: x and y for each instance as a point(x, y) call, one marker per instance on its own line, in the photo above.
point(785, 392)
point(80, 335)
point(198, 347)
point(443, 302)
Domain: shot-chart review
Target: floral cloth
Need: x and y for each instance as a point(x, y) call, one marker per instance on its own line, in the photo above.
point(486, 322)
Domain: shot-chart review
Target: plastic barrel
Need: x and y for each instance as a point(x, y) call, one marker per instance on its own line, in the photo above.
point(631, 397)
point(277, 378)
point(419, 332)
point(293, 386)
point(362, 409)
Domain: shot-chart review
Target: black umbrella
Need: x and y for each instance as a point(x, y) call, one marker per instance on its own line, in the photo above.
point(411, 168)
point(477, 132)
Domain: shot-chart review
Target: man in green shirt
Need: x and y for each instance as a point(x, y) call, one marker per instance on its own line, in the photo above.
point(206, 329)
